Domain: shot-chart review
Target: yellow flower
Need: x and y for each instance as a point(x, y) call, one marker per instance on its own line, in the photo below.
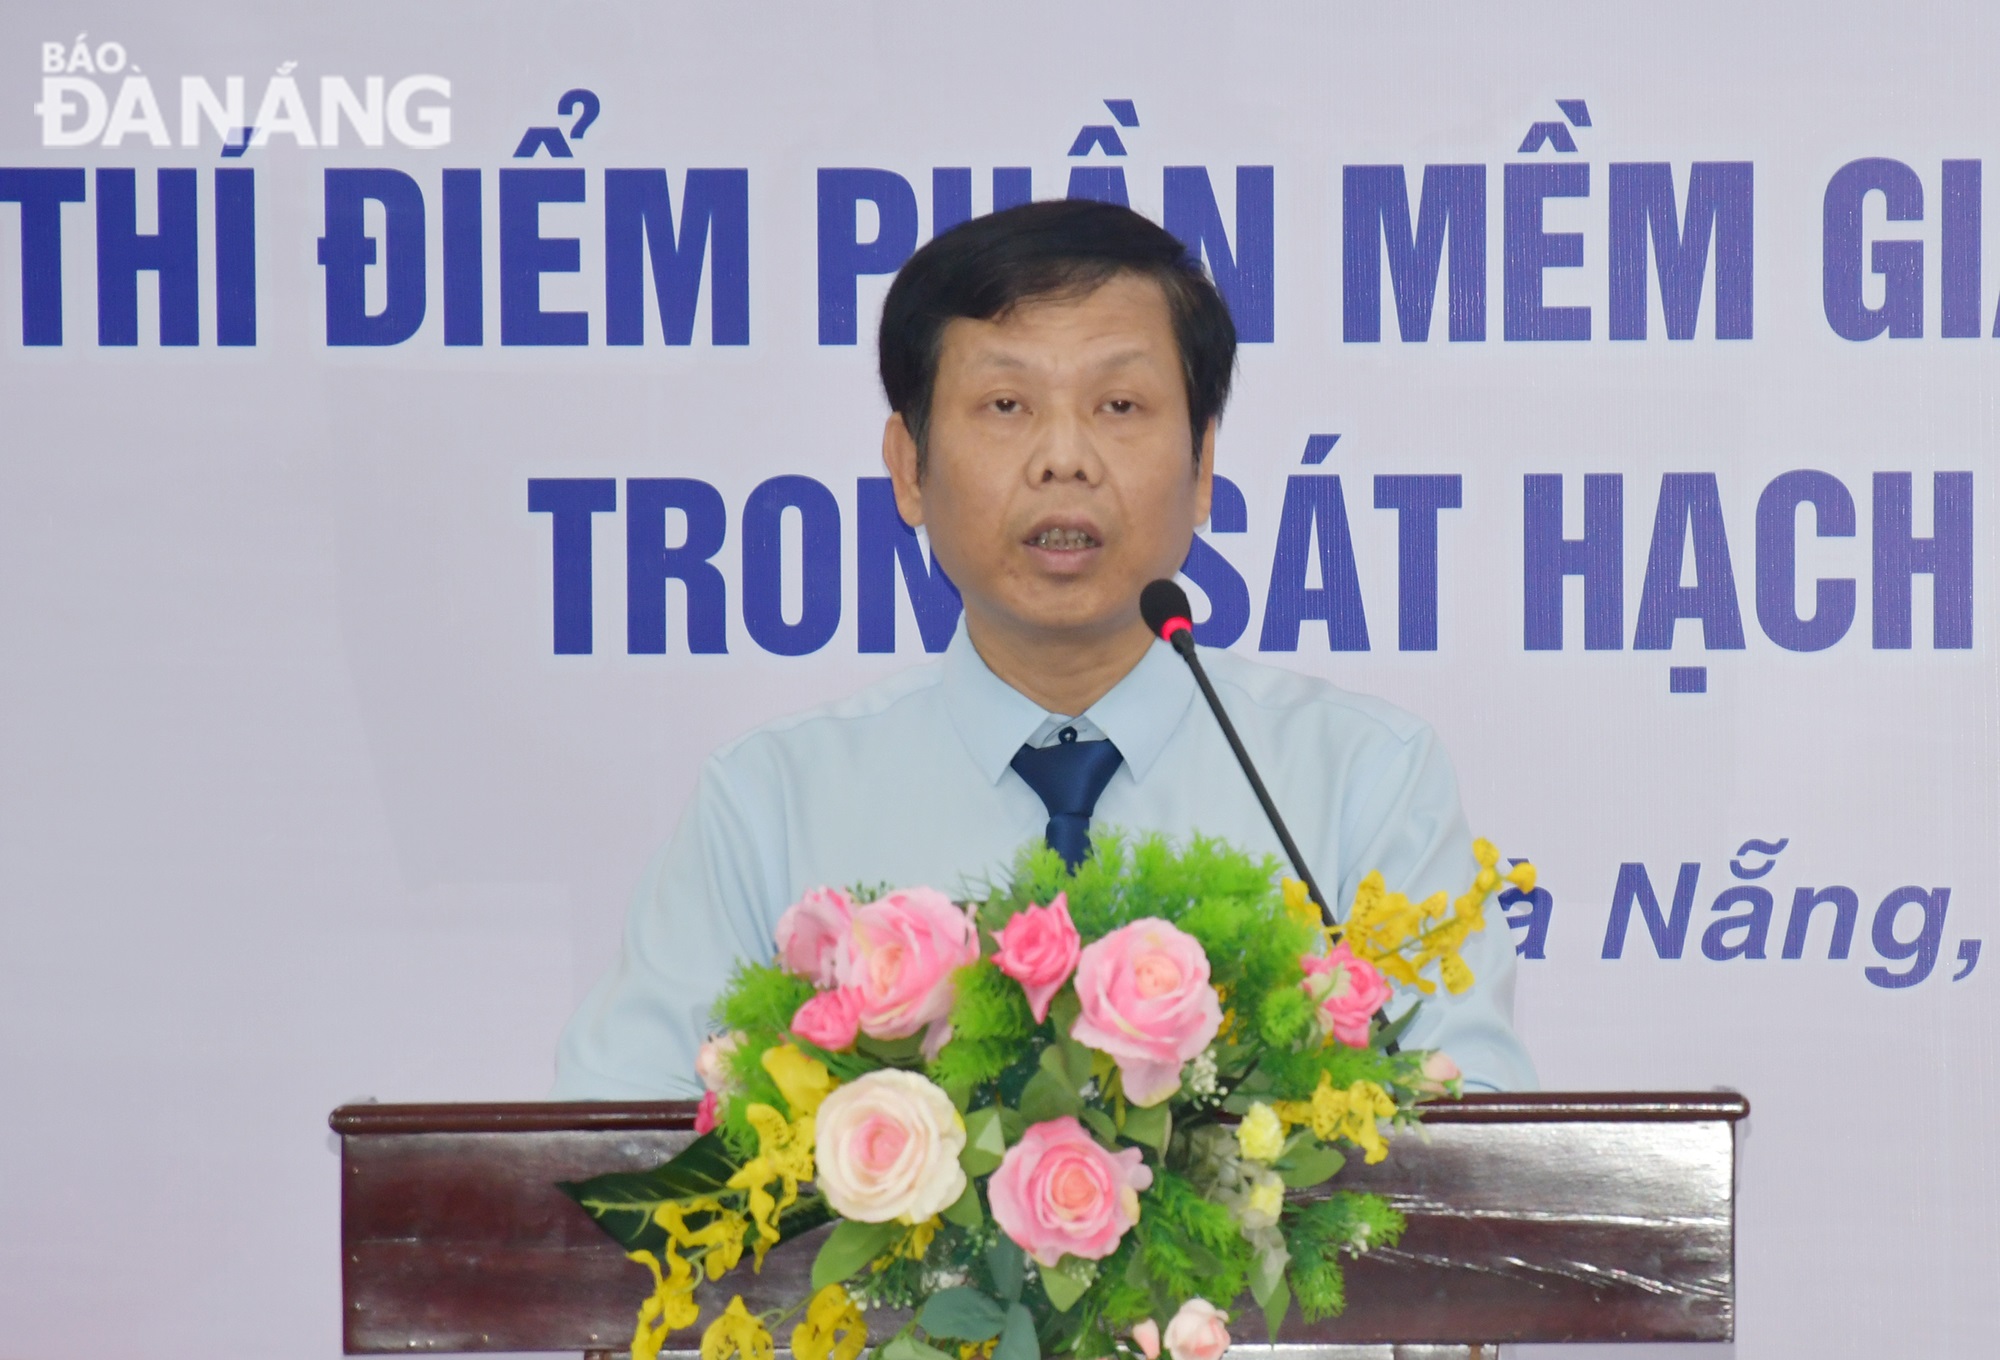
point(1261, 1135)
point(1298, 902)
point(919, 1240)
point(1267, 1198)
point(913, 1244)
point(1406, 939)
point(804, 1082)
point(1351, 1114)
point(833, 1328)
point(670, 1308)
point(784, 1154)
point(737, 1332)
point(720, 1239)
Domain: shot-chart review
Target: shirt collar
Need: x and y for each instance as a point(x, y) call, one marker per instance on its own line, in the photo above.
point(995, 720)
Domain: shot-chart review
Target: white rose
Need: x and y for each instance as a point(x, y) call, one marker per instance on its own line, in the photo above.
point(886, 1147)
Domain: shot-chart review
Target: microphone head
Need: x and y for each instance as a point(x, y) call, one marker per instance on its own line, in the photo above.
point(1164, 606)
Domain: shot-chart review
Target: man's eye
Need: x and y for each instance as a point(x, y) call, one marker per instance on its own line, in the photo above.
point(1006, 405)
point(1123, 406)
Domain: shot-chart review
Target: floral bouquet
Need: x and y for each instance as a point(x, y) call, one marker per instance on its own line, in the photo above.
point(1081, 1115)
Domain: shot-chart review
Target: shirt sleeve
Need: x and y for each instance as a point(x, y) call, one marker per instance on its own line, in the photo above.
point(1411, 827)
point(697, 911)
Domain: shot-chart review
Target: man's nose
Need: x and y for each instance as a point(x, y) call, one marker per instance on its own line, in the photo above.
point(1065, 451)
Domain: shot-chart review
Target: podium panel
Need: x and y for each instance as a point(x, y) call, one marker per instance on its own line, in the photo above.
point(1543, 1218)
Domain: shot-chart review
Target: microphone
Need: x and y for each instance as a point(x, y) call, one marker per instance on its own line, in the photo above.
point(1164, 606)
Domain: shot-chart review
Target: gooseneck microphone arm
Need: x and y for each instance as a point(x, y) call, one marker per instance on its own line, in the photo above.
point(1166, 609)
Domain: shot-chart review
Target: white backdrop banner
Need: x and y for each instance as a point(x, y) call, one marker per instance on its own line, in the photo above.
point(429, 431)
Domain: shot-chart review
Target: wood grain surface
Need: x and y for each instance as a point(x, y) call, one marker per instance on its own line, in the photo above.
point(1531, 1218)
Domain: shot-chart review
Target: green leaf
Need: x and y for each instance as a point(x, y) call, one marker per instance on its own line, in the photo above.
point(1101, 1125)
point(1017, 1336)
point(1056, 1064)
point(1070, 1060)
point(1048, 1097)
point(1062, 1286)
point(1011, 1124)
point(965, 1210)
point(1008, 1265)
point(985, 1142)
point(849, 1247)
point(1152, 1126)
point(1308, 1165)
point(963, 1313)
point(622, 1202)
point(1394, 1030)
point(1275, 1303)
point(904, 1052)
point(804, 1215)
point(903, 1346)
point(1064, 1010)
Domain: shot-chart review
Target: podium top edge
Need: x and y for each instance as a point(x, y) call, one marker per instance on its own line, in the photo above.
point(596, 1116)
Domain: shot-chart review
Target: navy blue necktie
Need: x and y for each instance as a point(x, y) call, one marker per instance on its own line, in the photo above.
point(1068, 777)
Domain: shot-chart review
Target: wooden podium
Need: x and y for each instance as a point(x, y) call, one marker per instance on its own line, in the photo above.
point(1548, 1218)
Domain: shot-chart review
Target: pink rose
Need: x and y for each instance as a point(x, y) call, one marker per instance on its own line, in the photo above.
point(904, 949)
point(1146, 1336)
point(1038, 949)
point(1349, 991)
point(1147, 1003)
point(706, 1116)
point(812, 935)
point(1058, 1192)
point(1197, 1333)
point(1439, 1070)
point(711, 1064)
point(831, 1019)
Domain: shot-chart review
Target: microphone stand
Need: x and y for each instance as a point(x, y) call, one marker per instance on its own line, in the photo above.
point(1181, 639)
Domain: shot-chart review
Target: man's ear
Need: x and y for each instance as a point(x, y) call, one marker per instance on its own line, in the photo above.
point(1204, 474)
point(899, 456)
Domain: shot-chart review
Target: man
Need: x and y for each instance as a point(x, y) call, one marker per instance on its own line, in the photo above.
point(1055, 373)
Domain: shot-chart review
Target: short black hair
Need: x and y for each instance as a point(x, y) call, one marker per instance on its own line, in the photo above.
point(984, 268)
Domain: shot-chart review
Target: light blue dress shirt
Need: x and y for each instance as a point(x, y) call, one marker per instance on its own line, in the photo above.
point(908, 782)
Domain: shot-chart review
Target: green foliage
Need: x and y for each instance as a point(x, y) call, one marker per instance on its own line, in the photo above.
point(1123, 1297)
point(1124, 880)
point(992, 1028)
point(1295, 1075)
point(1318, 1233)
point(759, 1005)
point(762, 996)
point(1285, 1017)
point(1189, 1245)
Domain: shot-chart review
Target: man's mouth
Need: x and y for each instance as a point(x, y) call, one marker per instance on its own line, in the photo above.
point(1063, 540)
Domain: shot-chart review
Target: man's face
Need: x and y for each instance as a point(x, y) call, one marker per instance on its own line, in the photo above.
point(1059, 478)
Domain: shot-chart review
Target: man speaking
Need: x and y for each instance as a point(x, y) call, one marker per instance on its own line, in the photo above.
point(1055, 375)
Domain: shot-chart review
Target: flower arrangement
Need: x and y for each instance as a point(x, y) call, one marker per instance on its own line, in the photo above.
point(1078, 1116)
